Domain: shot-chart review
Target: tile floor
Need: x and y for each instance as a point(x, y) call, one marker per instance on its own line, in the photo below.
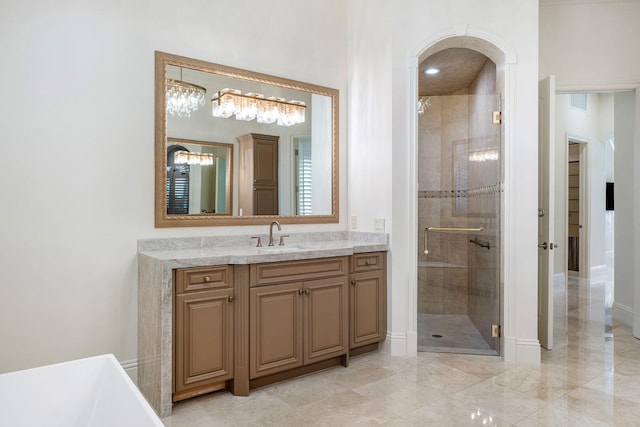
point(589, 379)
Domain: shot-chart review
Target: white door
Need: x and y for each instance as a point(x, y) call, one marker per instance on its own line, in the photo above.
point(546, 129)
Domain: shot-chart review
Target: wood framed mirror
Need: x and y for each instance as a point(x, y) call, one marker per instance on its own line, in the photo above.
point(274, 157)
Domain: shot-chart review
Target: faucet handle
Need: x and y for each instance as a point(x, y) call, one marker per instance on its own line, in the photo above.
point(282, 236)
point(259, 244)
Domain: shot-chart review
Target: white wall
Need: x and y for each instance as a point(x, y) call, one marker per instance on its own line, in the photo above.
point(602, 59)
point(77, 138)
point(590, 44)
point(370, 111)
point(383, 39)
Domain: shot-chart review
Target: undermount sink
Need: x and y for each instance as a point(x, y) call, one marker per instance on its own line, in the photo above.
point(286, 248)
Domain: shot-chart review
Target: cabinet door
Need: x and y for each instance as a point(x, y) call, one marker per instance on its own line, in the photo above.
point(265, 161)
point(204, 340)
point(368, 308)
point(325, 319)
point(265, 200)
point(275, 328)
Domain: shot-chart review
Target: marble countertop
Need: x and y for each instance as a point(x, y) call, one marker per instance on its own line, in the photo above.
point(187, 252)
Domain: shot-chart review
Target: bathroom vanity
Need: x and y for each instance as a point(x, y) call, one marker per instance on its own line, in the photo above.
point(219, 313)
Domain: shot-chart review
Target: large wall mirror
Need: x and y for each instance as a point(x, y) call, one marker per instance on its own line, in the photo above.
point(237, 147)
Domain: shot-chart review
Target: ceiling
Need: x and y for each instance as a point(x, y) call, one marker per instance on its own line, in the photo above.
point(458, 67)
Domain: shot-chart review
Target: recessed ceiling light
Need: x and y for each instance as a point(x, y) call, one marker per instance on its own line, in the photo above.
point(431, 71)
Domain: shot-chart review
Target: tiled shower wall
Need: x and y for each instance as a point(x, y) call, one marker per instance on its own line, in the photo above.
point(459, 186)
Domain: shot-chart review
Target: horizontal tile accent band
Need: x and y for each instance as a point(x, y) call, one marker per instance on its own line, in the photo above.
point(488, 190)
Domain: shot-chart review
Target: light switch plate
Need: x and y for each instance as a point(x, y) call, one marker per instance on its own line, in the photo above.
point(378, 225)
point(354, 222)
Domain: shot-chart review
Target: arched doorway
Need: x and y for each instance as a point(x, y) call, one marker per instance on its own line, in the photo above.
point(460, 199)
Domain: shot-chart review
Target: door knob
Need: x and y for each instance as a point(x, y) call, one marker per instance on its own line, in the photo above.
point(543, 245)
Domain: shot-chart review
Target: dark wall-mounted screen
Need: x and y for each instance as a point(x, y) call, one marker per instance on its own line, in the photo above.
point(609, 196)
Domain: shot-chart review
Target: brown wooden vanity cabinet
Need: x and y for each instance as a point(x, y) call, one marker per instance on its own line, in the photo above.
point(202, 330)
point(367, 299)
point(298, 314)
point(258, 179)
point(291, 318)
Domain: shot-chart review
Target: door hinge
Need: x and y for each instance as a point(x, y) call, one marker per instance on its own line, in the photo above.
point(495, 331)
point(497, 117)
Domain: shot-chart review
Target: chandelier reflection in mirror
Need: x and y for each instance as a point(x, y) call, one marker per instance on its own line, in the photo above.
point(250, 106)
point(183, 98)
point(188, 158)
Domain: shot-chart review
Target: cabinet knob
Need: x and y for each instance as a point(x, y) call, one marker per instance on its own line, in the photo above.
point(353, 282)
point(368, 262)
point(300, 291)
point(231, 298)
point(207, 278)
point(306, 291)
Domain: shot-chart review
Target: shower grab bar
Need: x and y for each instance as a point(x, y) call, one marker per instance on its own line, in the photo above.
point(426, 229)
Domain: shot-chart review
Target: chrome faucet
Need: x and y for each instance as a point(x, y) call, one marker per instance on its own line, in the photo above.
point(271, 231)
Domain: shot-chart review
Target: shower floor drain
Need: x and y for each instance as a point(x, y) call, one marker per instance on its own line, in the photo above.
point(436, 336)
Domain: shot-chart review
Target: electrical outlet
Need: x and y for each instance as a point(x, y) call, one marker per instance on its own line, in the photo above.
point(354, 222)
point(378, 225)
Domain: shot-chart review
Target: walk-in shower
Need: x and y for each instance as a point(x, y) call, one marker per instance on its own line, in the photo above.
point(459, 204)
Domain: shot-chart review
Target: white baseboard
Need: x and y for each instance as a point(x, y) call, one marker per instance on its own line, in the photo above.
point(623, 314)
point(396, 344)
point(131, 368)
point(528, 351)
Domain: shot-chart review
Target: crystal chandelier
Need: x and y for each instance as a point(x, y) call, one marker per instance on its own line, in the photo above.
point(424, 102)
point(250, 106)
point(183, 98)
point(188, 158)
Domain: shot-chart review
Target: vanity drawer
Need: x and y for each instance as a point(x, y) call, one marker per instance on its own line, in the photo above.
point(203, 278)
point(296, 271)
point(367, 261)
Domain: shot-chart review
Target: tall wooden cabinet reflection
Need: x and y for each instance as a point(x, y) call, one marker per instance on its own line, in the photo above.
point(203, 330)
point(258, 178)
